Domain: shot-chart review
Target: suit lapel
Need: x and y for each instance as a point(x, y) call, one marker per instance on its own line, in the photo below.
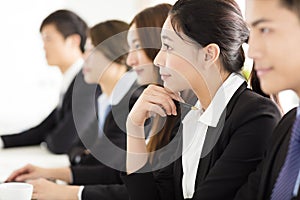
point(276, 155)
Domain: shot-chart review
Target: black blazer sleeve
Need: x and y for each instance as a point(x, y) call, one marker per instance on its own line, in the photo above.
point(58, 130)
point(62, 138)
point(97, 174)
point(249, 190)
point(32, 136)
point(58, 135)
point(104, 192)
point(260, 183)
point(151, 185)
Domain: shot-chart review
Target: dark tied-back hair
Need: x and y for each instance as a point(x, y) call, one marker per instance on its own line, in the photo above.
point(67, 23)
point(111, 38)
point(213, 21)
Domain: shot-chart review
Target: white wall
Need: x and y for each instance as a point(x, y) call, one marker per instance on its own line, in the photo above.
point(29, 88)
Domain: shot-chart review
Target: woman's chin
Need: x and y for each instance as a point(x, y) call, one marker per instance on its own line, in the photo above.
point(172, 88)
point(88, 80)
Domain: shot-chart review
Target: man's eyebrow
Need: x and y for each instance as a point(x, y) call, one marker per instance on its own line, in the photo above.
point(257, 22)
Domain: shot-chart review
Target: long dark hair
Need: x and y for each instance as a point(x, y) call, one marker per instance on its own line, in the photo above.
point(154, 17)
point(213, 21)
point(151, 17)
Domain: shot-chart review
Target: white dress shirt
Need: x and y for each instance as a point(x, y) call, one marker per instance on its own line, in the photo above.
point(195, 126)
point(104, 102)
point(68, 77)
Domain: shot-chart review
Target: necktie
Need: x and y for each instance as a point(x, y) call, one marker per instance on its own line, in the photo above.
point(286, 180)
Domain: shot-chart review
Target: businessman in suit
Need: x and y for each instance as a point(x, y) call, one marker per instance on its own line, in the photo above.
point(64, 36)
point(274, 46)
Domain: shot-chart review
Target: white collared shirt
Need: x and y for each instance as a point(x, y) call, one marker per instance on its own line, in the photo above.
point(68, 77)
point(195, 126)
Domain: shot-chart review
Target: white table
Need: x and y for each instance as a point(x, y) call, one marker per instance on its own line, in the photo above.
point(14, 158)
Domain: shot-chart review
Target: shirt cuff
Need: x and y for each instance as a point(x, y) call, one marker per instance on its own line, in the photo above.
point(1, 143)
point(79, 194)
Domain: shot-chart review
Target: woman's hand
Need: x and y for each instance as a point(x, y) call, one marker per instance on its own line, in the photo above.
point(46, 190)
point(154, 100)
point(28, 172)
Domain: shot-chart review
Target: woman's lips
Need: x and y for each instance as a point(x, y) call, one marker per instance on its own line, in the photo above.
point(164, 76)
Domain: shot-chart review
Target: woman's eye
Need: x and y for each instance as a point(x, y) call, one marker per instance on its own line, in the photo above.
point(166, 47)
point(137, 46)
point(265, 30)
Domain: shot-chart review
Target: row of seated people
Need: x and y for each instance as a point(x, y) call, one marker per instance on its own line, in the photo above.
point(129, 134)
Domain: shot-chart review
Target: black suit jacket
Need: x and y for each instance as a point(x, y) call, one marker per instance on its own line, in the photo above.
point(249, 121)
point(58, 130)
point(93, 169)
point(262, 181)
point(105, 192)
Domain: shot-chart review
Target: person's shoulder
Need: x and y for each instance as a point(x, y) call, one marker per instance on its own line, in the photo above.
point(251, 98)
point(253, 105)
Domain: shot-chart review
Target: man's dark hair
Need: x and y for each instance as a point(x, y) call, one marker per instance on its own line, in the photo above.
point(67, 23)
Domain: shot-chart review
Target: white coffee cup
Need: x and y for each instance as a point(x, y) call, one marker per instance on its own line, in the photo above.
point(15, 191)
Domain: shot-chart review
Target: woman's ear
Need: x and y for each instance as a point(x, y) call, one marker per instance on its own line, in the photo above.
point(212, 52)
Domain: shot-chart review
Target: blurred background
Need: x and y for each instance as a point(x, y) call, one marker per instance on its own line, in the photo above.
point(29, 87)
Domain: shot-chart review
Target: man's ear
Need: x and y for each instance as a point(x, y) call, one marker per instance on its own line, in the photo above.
point(74, 40)
point(212, 53)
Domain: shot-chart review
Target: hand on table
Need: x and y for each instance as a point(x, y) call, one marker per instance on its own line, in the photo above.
point(28, 172)
point(47, 190)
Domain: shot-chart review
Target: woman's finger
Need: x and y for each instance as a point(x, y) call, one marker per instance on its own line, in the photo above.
point(162, 99)
point(157, 109)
